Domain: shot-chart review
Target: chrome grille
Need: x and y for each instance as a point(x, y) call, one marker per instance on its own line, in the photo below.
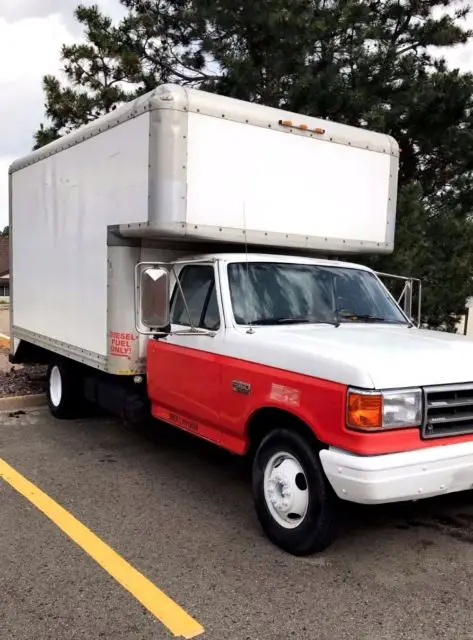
point(448, 411)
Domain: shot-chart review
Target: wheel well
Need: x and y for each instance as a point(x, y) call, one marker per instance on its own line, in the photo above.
point(28, 353)
point(266, 419)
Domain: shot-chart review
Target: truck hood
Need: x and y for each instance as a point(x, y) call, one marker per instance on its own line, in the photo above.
point(372, 356)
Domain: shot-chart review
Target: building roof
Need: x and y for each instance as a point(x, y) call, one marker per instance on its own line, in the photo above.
point(4, 256)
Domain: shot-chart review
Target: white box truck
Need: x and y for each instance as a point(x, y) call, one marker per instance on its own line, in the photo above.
point(180, 256)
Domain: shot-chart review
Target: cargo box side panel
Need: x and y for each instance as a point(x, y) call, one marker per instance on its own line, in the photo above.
point(270, 180)
point(123, 339)
point(61, 207)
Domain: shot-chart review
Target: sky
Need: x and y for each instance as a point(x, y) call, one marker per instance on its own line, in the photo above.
point(31, 35)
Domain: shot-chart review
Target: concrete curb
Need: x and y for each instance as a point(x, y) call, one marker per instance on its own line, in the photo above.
point(15, 403)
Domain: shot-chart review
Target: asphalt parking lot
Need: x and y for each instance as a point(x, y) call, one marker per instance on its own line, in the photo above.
point(180, 513)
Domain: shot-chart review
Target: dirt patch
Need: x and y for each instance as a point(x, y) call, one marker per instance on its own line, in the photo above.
point(18, 380)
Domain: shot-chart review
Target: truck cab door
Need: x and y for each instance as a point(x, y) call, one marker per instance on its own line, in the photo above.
point(184, 371)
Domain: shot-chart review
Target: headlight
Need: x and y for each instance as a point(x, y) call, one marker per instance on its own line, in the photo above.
point(375, 410)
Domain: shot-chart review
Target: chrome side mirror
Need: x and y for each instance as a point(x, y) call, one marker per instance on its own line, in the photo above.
point(153, 308)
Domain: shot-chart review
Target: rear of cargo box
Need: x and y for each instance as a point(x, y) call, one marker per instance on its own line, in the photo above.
point(61, 206)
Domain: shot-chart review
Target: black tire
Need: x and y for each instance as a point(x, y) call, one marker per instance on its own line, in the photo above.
point(64, 396)
point(318, 528)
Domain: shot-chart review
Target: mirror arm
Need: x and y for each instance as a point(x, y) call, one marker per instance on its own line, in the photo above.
point(178, 282)
point(161, 333)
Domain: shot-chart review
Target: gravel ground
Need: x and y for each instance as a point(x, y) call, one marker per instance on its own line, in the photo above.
point(17, 380)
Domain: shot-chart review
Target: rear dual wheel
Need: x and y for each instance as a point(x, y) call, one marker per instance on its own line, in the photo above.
point(63, 390)
point(294, 503)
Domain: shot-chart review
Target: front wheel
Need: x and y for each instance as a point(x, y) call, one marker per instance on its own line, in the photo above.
point(294, 502)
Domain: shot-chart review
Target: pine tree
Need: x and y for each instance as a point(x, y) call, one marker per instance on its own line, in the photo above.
point(368, 63)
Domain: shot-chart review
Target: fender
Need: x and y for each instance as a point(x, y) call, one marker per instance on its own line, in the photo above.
point(214, 397)
point(248, 388)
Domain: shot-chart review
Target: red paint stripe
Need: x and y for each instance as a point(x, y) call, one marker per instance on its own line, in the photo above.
point(198, 385)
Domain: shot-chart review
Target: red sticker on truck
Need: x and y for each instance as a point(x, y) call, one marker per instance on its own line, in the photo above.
point(285, 395)
point(121, 344)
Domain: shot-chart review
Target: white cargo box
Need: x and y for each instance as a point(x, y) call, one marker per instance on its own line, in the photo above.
point(181, 164)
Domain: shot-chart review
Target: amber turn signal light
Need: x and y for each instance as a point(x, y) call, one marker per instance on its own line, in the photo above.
point(364, 411)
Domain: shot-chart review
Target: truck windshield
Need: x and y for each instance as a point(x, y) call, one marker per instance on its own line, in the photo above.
point(283, 293)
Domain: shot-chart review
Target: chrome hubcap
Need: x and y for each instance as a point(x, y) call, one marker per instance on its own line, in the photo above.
point(285, 490)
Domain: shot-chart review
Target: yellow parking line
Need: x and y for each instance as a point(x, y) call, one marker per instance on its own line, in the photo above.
point(180, 623)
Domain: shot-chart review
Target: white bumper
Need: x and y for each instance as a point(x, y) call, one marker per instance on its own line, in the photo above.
point(396, 477)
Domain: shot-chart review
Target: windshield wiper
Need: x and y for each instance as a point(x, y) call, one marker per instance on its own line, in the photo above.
point(366, 317)
point(277, 321)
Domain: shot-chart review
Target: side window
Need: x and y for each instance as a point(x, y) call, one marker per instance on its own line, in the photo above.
point(211, 319)
point(198, 286)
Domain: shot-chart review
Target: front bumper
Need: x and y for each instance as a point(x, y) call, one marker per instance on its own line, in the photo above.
point(398, 477)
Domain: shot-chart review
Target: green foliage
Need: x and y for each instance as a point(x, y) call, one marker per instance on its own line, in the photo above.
point(5, 233)
point(367, 63)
